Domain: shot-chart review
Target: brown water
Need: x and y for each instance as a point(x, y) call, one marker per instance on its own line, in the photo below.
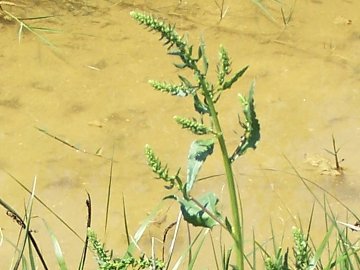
point(92, 91)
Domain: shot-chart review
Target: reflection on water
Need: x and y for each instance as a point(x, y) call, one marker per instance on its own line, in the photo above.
point(91, 90)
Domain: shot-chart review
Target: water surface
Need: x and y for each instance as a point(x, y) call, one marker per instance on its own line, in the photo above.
point(91, 91)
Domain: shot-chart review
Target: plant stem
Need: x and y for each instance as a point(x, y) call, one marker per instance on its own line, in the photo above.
point(236, 232)
point(203, 208)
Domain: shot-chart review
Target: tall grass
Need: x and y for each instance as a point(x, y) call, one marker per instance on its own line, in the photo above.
point(26, 238)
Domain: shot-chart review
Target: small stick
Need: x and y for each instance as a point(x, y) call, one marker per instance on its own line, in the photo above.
point(97, 154)
point(337, 164)
point(336, 151)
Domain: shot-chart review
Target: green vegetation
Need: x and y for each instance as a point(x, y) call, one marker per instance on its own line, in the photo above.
point(336, 250)
point(202, 211)
point(106, 261)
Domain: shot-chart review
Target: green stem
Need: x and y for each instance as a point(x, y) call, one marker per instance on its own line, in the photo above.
point(205, 210)
point(234, 201)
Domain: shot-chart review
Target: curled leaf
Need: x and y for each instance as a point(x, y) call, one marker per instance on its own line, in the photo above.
point(252, 127)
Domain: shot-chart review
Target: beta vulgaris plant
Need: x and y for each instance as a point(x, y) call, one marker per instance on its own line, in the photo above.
point(203, 211)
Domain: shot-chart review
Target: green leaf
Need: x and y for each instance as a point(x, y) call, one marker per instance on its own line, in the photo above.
point(226, 258)
point(200, 53)
point(251, 125)
point(176, 53)
point(319, 251)
point(203, 55)
point(201, 235)
point(200, 107)
point(190, 49)
point(228, 225)
point(193, 258)
point(31, 258)
point(196, 216)
point(229, 83)
point(57, 249)
point(186, 82)
point(180, 66)
point(199, 150)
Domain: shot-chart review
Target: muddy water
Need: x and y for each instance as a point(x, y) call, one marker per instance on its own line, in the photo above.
point(91, 91)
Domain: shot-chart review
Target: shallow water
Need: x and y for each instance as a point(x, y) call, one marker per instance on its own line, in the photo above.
point(91, 91)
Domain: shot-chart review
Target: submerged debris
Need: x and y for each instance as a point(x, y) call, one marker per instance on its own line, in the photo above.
point(323, 165)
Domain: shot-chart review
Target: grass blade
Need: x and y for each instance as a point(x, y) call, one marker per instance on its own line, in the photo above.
point(109, 191)
point(31, 256)
point(172, 245)
point(126, 223)
point(214, 251)
point(316, 258)
point(264, 10)
point(57, 249)
point(196, 253)
point(71, 145)
point(140, 232)
point(43, 204)
point(26, 227)
point(186, 251)
point(37, 18)
point(29, 28)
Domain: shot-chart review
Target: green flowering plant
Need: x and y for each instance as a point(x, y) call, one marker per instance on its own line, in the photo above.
point(106, 261)
point(203, 211)
point(301, 250)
